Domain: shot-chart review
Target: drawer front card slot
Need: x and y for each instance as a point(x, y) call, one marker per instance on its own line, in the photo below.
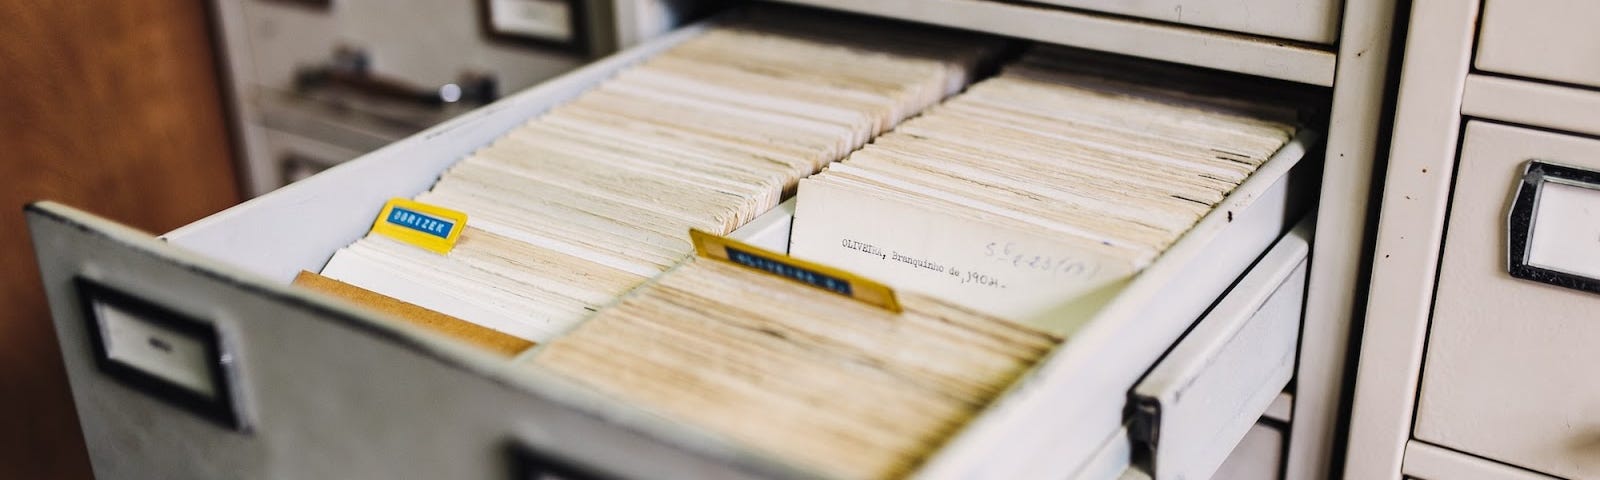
point(174, 357)
point(1502, 375)
point(1551, 230)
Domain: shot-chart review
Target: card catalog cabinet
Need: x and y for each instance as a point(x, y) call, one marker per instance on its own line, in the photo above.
point(1497, 379)
point(1482, 308)
point(1544, 39)
point(279, 382)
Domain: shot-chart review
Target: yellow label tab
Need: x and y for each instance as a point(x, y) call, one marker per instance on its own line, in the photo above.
point(430, 227)
point(809, 273)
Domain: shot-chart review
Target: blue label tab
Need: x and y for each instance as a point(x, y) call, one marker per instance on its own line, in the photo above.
point(809, 277)
point(420, 222)
point(431, 227)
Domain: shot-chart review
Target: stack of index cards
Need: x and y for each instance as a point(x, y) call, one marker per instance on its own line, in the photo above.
point(594, 197)
point(1052, 182)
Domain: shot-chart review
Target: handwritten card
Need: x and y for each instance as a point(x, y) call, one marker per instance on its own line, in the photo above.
point(1011, 273)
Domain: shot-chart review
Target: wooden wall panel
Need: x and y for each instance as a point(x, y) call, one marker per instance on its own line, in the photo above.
point(110, 106)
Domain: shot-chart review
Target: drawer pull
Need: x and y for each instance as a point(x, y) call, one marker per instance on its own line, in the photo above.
point(176, 358)
point(350, 73)
point(1553, 231)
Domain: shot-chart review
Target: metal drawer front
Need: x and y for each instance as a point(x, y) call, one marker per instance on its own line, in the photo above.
point(1509, 369)
point(1546, 39)
point(1199, 401)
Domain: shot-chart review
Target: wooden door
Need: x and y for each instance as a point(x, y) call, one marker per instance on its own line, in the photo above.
point(110, 106)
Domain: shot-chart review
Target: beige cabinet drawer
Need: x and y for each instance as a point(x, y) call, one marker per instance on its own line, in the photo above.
point(1426, 461)
point(1509, 373)
point(1315, 21)
point(1259, 455)
point(1547, 39)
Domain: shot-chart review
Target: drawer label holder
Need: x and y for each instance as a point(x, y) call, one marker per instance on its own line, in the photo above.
point(811, 274)
point(1553, 229)
point(429, 227)
point(179, 359)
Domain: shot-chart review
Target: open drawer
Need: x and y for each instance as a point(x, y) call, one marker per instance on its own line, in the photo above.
point(1190, 415)
point(278, 382)
point(1203, 398)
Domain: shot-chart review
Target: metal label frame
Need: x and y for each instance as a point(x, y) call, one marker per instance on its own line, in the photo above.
point(1520, 223)
point(222, 408)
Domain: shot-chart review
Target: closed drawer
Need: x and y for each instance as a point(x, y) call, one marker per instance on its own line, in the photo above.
point(1259, 455)
point(1548, 39)
point(296, 157)
point(1315, 21)
point(1508, 374)
point(282, 39)
point(1211, 389)
point(1427, 461)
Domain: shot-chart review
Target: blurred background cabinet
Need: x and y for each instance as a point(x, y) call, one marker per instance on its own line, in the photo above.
point(316, 83)
point(156, 114)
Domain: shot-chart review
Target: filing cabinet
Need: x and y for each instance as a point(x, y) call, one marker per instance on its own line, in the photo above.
point(315, 84)
point(327, 390)
point(1481, 314)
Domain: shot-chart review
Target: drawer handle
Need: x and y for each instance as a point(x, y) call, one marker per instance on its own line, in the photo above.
point(1553, 230)
point(350, 72)
point(173, 357)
